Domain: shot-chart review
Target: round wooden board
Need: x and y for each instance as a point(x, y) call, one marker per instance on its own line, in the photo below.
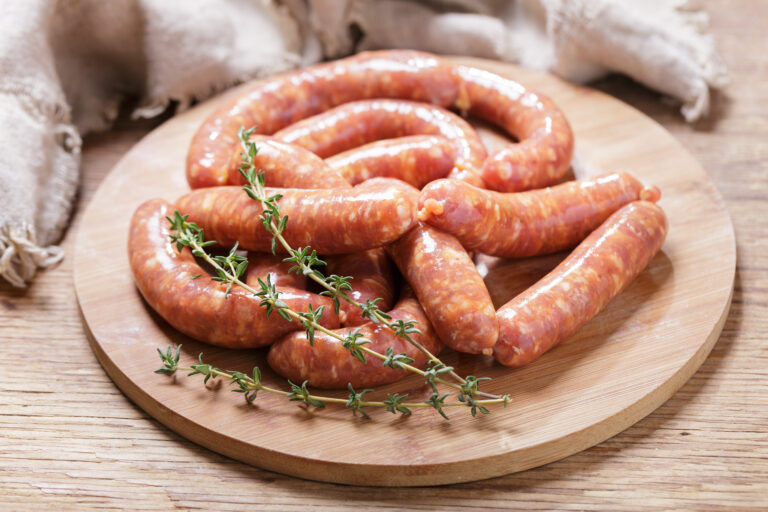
point(621, 366)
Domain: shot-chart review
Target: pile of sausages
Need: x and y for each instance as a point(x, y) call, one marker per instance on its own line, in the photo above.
point(375, 168)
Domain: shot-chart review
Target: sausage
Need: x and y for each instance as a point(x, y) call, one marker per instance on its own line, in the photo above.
point(354, 124)
point(261, 265)
point(540, 158)
point(521, 224)
point(282, 100)
point(372, 278)
point(327, 364)
point(284, 166)
point(545, 148)
point(582, 285)
point(449, 288)
point(197, 306)
point(415, 159)
point(331, 221)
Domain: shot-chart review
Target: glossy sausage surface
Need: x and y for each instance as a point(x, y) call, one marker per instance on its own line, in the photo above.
point(540, 158)
point(582, 285)
point(372, 278)
point(197, 306)
point(261, 265)
point(357, 123)
point(327, 364)
point(331, 221)
point(415, 159)
point(516, 225)
point(545, 148)
point(279, 101)
point(449, 288)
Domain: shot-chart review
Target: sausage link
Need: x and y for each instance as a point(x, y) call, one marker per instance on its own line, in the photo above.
point(331, 221)
point(372, 278)
point(261, 265)
point(197, 306)
point(279, 101)
point(582, 285)
point(521, 224)
point(416, 159)
point(327, 364)
point(541, 157)
point(354, 124)
point(449, 288)
point(543, 154)
point(284, 166)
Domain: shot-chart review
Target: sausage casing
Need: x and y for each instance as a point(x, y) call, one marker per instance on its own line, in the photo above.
point(545, 148)
point(582, 285)
point(354, 124)
point(281, 100)
point(331, 221)
point(197, 306)
point(516, 225)
point(372, 278)
point(284, 166)
point(415, 159)
point(327, 364)
point(540, 158)
point(449, 288)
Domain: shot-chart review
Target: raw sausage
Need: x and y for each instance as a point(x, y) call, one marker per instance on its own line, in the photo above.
point(540, 158)
point(372, 278)
point(416, 159)
point(543, 154)
point(284, 166)
point(354, 124)
point(516, 225)
point(197, 306)
point(331, 221)
point(261, 265)
point(449, 288)
point(279, 101)
point(582, 285)
point(327, 364)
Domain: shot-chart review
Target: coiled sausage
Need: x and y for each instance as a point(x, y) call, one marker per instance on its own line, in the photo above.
point(279, 101)
point(415, 159)
point(197, 306)
point(545, 148)
point(360, 122)
point(540, 158)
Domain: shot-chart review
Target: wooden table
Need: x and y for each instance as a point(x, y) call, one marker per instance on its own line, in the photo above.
point(70, 439)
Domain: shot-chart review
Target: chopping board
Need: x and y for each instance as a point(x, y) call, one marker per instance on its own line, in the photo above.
point(617, 369)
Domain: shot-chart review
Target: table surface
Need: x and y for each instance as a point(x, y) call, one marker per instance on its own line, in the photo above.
point(70, 439)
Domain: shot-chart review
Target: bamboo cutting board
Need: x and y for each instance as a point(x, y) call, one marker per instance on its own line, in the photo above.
point(622, 365)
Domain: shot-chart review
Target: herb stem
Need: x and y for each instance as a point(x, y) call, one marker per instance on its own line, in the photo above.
point(233, 278)
point(257, 386)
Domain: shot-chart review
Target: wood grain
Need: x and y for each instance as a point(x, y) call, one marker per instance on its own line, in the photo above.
point(70, 440)
point(617, 369)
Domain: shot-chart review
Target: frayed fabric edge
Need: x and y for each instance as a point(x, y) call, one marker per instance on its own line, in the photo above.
point(21, 257)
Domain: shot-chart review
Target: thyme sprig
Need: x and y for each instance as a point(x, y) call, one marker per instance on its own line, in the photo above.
point(305, 260)
point(250, 385)
point(230, 268)
point(189, 234)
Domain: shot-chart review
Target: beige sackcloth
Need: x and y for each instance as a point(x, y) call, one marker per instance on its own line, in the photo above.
point(66, 65)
